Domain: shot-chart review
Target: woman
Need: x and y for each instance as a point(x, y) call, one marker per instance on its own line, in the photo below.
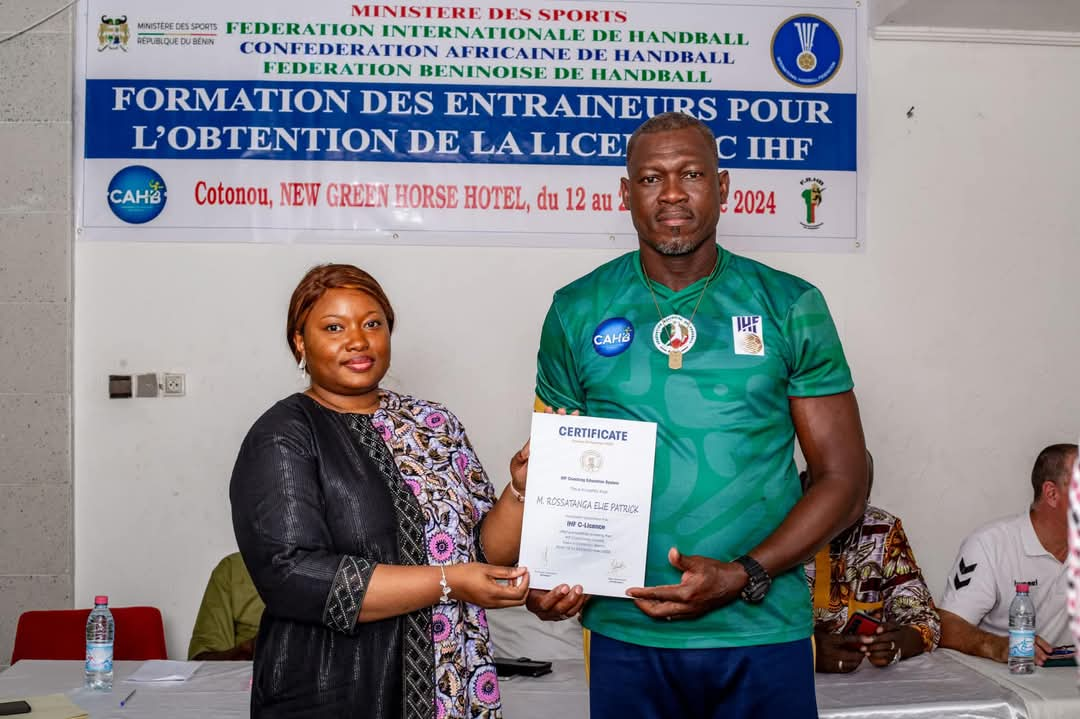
point(367, 524)
point(869, 567)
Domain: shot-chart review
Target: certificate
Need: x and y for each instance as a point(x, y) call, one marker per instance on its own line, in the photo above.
point(587, 503)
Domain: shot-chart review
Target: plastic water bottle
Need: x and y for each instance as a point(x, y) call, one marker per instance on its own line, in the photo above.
point(1021, 632)
point(100, 631)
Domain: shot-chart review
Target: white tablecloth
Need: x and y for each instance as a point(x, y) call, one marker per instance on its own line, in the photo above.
point(218, 690)
point(942, 685)
point(1049, 693)
point(929, 686)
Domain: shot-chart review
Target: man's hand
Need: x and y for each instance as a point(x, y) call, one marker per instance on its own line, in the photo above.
point(706, 584)
point(836, 652)
point(890, 643)
point(1043, 649)
point(560, 603)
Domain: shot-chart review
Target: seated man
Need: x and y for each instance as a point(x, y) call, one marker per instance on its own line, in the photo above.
point(1030, 547)
point(229, 616)
point(869, 567)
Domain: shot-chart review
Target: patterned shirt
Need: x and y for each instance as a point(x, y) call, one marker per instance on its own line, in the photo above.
point(871, 568)
point(437, 462)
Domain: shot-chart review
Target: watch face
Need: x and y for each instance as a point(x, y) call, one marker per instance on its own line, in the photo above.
point(758, 581)
point(756, 590)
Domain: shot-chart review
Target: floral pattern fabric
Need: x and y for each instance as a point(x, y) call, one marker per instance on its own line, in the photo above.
point(438, 464)
point(871, 568)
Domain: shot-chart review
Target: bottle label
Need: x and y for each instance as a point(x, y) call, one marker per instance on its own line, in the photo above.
point(1022, 643)
point(99, 656)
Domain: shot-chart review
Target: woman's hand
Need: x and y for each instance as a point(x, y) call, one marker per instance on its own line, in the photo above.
point(891, 643)
point(837, 652)
point(519, 469)
point(487, 585)
point(560, 603)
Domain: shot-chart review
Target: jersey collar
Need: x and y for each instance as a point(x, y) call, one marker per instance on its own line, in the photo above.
point(1032, 546)
point(723, 259)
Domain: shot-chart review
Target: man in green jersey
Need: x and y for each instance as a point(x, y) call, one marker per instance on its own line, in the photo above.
point(733, 360)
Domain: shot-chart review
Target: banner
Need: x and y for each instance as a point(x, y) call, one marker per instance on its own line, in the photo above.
point(492, 123)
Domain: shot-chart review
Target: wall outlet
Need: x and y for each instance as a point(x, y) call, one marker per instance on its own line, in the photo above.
point(172, 384)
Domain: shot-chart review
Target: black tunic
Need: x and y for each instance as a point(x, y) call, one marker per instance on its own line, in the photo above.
point(316, 503)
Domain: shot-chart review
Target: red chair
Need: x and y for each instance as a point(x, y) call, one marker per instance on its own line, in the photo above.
point(61, 634)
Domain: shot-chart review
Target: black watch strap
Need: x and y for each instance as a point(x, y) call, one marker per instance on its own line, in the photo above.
point(757, 586)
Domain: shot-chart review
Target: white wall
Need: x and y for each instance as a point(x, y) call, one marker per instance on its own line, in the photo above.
point(959, 322)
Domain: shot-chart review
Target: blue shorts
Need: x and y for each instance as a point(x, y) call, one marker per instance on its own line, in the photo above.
point(628, 681)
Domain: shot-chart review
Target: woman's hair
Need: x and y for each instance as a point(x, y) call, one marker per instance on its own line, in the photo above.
point(314, 285)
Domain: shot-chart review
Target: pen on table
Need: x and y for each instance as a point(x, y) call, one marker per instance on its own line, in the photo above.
point(126, 699)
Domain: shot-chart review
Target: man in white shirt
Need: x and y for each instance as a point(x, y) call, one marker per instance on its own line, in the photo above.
point(1074, 551)
point(1031, 548)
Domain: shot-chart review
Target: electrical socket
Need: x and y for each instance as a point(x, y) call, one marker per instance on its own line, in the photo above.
point(172, 384)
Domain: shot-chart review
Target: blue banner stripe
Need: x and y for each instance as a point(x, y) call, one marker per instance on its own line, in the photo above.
point(512, 124)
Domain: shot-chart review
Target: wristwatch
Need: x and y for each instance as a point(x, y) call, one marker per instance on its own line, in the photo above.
point(759, 580)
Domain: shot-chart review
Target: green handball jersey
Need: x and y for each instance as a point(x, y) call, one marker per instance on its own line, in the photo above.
point(725, 475)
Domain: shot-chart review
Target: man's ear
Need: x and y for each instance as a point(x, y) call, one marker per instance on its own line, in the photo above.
point(624, 191)
point(1053, 493)
point(725, 185)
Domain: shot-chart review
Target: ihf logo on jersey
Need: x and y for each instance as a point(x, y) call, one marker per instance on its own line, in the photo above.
point(613, 336)
point(746, 335)
point(806, 50)
point(137, 194)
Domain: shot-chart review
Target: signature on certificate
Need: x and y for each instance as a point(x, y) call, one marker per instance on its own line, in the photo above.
point(617, 568)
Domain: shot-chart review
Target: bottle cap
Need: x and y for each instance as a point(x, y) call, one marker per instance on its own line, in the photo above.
point(102, 599)
point(1021, 586)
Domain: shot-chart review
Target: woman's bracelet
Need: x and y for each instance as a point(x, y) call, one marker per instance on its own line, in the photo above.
point(444, 585)
point(519, 496)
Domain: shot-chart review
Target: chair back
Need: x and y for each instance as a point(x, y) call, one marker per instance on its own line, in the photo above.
point(61, 634)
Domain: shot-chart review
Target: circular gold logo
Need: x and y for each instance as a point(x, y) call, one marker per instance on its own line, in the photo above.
point(591, 460)
point(752, 344)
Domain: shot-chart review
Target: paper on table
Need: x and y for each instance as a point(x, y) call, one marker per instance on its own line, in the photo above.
point(53, 706)
point(162, 670)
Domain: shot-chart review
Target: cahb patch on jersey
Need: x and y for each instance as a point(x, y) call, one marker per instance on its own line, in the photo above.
point(613, 336)
point(747, 336)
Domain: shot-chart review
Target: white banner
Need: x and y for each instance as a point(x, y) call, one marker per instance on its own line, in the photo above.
point(490, 123)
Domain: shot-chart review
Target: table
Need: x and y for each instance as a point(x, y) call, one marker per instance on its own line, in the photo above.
point(1049, 693)
point(220, 690)
point(941, 685)
point(928, 686)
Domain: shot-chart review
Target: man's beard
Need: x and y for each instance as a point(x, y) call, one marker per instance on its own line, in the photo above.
point(677, 245)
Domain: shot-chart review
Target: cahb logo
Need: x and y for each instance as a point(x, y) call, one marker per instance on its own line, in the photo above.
point(811, 195)
point(806, 50)
point(136, 194)
point(113, 33)
point(613, 336)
